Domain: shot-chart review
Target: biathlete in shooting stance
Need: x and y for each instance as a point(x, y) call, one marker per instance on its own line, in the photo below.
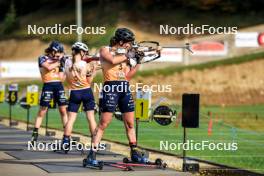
point(117, 72)
point(51, 70)
point(79, 75)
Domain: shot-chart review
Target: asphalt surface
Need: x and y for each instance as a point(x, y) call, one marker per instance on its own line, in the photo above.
point(17, 159)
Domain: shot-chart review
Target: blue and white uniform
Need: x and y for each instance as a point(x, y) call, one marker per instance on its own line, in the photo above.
point(52, 88)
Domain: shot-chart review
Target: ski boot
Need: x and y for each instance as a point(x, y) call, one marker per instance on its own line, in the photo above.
point(138, 156)
point(64, 146)
point(91, 161)
point(34, 138)
point(66, 142)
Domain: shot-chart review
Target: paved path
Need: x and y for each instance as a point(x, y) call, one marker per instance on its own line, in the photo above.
point(16, 159)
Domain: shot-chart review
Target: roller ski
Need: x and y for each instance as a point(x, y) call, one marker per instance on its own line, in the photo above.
point(140, 159)
point(158, 164)
point(92, 162)
point(119, 165)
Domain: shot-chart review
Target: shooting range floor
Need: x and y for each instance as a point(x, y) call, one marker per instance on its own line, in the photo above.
point(16, 159)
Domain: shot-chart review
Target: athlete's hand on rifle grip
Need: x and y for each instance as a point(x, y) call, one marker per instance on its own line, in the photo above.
point(139, 56)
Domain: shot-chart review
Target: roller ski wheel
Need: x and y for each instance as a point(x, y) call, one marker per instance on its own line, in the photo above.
point(160, 163)
point(126, 160)
point(100, 165)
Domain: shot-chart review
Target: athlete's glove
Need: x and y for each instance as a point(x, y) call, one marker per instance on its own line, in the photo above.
point(134, 57)
point(139, 56)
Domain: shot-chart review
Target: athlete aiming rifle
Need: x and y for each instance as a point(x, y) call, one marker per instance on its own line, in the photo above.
point(51, 70)
point(79, 75)
point(117, 71)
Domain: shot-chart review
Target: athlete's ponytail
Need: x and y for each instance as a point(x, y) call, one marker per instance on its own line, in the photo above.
point(74, 52)
point(48, 51)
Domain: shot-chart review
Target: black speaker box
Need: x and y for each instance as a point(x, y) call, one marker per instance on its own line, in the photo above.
point(190, 110)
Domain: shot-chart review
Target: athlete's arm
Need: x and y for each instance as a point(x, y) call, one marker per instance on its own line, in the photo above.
point(92, 74)
point(132, 72)
point(104, 52)
point(62, 74)
point(50, 66)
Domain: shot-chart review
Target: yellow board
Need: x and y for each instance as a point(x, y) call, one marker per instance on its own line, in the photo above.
point(32, 99)
point(142, 109)
point(2, 93)
point(32, 95)
point(13, 96)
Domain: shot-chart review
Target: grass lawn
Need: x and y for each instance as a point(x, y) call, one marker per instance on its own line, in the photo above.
point(249, 155)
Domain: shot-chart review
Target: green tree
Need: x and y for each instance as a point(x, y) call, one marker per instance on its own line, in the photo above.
point(10, 22)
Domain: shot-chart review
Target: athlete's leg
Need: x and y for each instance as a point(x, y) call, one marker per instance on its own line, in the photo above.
point(41, 113)
point(68, 130)
point(106, 118)
point(69, 125)
point(60, 98)
point(91, 120)
point(126, 106)
point(136, 154)
point(74, 105)
point(63, 114)
point(108, 105)
point(46, 97)
point(128, 119)
point(88, 107)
